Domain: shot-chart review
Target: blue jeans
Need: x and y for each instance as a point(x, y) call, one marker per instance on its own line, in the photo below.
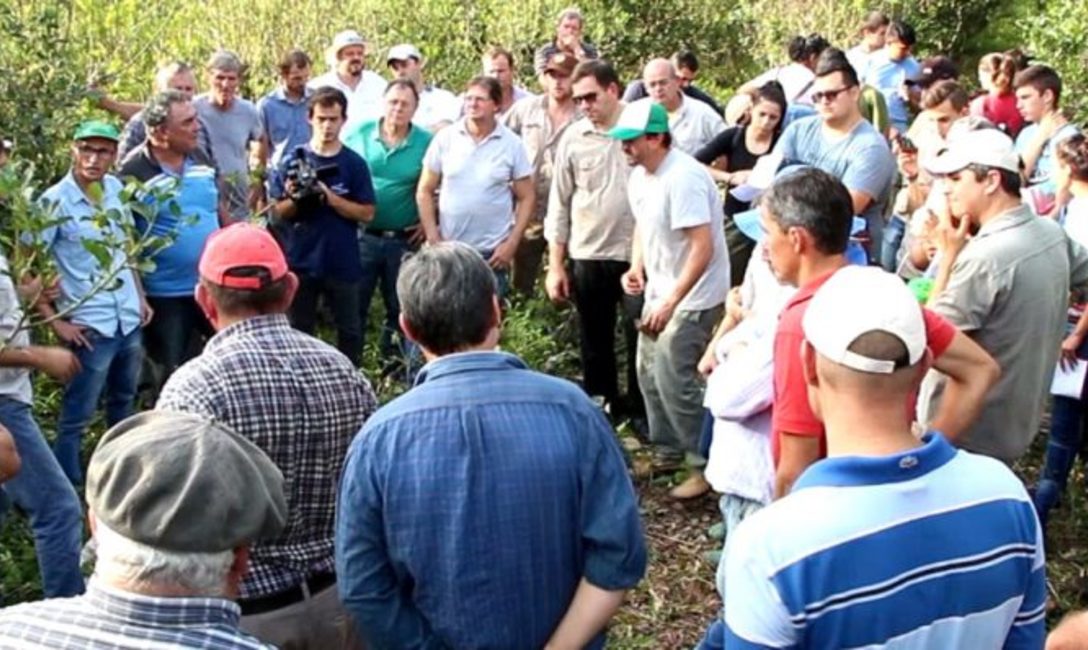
point(111, 364)
point(1064, 443)
point(381, 258)
point(894, 231)
point(47, 497)
point(502, 276)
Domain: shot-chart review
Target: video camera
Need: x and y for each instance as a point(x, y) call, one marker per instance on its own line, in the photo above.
point(305, 175)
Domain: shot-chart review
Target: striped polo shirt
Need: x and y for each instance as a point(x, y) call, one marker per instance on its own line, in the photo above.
point(928, 548)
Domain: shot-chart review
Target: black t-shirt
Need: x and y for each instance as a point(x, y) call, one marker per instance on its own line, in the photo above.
point(730, 143)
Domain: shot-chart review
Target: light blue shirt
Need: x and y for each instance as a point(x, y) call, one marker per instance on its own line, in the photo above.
point(888, 77)
point(114, 309)
point(1043, 174)
point(285, 122)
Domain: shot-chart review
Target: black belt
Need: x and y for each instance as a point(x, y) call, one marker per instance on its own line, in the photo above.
point(388, 234)
point(314, 584)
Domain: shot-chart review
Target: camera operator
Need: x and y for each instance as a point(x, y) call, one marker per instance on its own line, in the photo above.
point(323, 192)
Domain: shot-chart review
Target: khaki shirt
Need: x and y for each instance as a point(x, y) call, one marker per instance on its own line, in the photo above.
point(529, 119)
point(1009, 290)
point(588, 209)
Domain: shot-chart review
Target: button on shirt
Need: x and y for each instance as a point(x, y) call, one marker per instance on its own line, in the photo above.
point(475, 202)
point(110, 312)
point(1009, 291)
point(395, 172)
point(693, 124)
point(472, 506)
point(109, 618)
point(587, 207)
point(529, 120)
point(364, 100)
point(680, 194)
point(300, 401)
point(285, 122)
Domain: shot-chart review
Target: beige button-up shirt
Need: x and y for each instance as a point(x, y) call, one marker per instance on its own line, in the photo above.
point(588, 209)
point(528, 118)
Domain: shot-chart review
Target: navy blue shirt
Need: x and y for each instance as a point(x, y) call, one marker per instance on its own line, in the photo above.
point(319, 242)
point(473, 505)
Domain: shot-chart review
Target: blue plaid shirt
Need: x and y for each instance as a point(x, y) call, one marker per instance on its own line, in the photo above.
point(109, 618)
point(473, 505)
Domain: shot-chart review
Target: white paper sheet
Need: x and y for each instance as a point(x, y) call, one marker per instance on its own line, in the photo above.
point(1069, 383)
point(760, 179)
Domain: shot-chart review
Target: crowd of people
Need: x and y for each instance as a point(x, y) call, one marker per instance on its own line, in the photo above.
point(846, 297)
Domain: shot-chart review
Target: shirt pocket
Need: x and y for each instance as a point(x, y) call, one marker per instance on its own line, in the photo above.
point(590, 173)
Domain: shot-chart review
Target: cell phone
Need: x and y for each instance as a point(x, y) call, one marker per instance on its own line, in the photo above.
point(906, 145)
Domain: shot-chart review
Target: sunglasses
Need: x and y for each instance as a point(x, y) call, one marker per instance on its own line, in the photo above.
point(588, 98)
point(828, 95)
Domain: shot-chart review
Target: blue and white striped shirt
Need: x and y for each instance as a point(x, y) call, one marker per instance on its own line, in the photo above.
point(929, 548)
point(109, 618)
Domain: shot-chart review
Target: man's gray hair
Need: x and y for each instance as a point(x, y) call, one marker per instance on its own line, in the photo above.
point(120, 559)
point(157, 110)
point(226, 61)
point(810, 198)
point(447, 294)
point(571, 12)
point(168, 71)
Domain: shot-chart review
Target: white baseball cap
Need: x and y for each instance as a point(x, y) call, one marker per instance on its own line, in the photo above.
point(988, 147)
point(857, 300)
point(403, 52)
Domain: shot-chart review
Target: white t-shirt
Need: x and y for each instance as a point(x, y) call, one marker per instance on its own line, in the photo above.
point(1075, 220)
point(436, 105)
point(859, 58)
point(796, 79)
point(364, 102)
point(679, 194)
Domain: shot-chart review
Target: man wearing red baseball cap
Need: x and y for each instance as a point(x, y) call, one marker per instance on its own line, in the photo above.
point(298, 399)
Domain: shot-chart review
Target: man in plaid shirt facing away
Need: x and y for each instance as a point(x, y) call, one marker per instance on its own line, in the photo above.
point(299, 400)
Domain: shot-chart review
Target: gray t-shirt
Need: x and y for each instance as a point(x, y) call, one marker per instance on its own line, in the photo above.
point(861, 160)
point(14, 382)
point(230, 132)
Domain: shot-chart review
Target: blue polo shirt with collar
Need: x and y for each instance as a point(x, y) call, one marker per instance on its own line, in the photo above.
point(285, 122)
point(931, 547)
point(114, 309)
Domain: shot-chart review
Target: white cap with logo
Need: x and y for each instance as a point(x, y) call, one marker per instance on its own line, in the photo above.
point(403, 52)
point(987, 147)
point(857, 300)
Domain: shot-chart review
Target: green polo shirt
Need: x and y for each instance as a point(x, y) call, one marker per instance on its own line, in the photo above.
point(395, 172)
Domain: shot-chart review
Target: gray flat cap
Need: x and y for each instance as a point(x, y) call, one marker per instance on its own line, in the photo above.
point(182, 482)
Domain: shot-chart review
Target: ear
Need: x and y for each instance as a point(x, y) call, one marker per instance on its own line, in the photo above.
point(407, 329)
point(798, 239)
point(238, 568)
point(808, 363)
point(292, 289)
point(204, 300)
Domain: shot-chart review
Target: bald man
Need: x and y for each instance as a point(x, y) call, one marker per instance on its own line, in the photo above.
point(691, 122)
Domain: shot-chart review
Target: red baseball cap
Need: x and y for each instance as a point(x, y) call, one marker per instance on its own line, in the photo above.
point(235, 256)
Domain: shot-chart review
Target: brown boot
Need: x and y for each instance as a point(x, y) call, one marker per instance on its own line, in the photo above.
point(693, 486)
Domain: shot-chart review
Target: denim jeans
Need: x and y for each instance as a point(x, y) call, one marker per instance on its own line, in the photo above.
point(1063, 445)
point(342, 299)
point(45, 494)
point(381, 258)
point(111, 364)
point(893, 238)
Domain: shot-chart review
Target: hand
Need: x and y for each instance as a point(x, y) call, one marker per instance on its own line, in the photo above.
point(71, 334)
point(504, 254)
point(908, 162)
point(633, 282)
point(734, 307)
point(416, 235)
point(146, 313)
point(557, 284)
point(30, 288)
point(58, 363)
point(736, 179)
point(257, 197)
point(951, 238)
point(1068, 358)
point(658, 318)
point(290, 186)
point(708, 363)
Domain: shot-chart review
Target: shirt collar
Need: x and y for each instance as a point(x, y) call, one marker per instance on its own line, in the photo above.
point(280, 93)
point(462, 127)
point(856, 471)
point(1017, 216)
point(72, 192)
point(806, 292)
point(250, 325)
point(155, 611)
point(458, 362)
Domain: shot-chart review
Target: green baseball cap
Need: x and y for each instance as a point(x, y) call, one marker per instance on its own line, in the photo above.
point(97, 129)
point(640, 118)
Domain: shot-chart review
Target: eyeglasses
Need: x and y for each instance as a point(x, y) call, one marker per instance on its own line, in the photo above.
point(90, 152)
point(588, 98)
point(828, 95)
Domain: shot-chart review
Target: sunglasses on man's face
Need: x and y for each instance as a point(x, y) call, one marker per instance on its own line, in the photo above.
point(828, 95)
point(588, 98)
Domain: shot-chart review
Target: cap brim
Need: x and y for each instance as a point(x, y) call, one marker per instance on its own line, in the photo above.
point(748, 222)
point(625, 133)
point(946, 163)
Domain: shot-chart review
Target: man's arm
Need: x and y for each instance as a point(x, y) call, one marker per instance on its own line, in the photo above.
point(634, 278)
point(971, 373)
point(124, 110)
point(58, 363)
point(587, 615)
point(10, 463)
point(428, 211)
point(345, 207)
point(702, 250)
point(557, 223)
point(795, 453)
point(524, 202)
